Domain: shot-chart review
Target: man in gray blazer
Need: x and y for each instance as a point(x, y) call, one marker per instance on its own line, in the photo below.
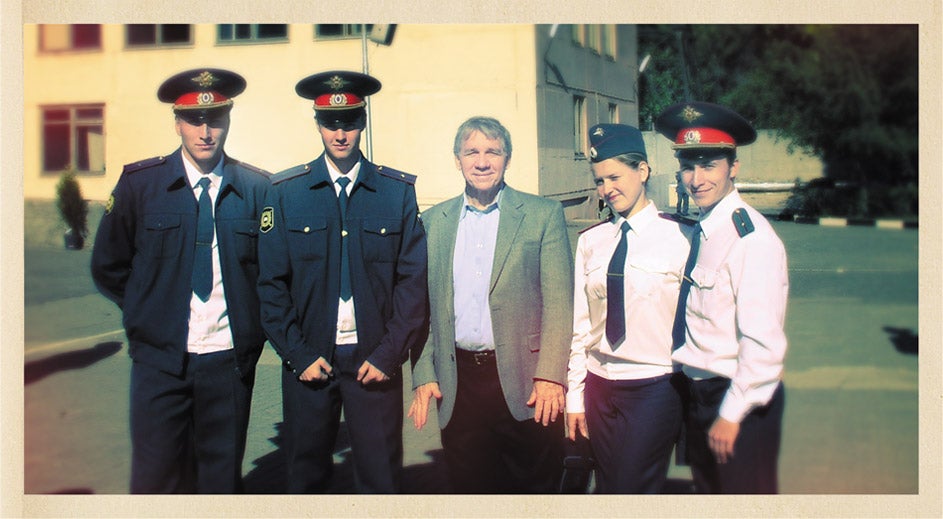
point(501, 294)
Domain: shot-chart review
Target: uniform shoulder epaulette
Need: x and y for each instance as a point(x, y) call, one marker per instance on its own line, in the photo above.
point(597, 224)
point(252, 168)
point(290, 173)
point(675, 217)
point(144, 164)
point(396, 174)
point(741, 220)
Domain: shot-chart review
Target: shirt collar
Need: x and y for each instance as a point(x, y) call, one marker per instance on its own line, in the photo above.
point(720, 213)
point(194, 175)
point(466, 207)
point(336, 174)
point(637, 221)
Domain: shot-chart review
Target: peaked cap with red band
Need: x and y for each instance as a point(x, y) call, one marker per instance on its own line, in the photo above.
point(337, 89)
point(697, 125)
point(201, 89)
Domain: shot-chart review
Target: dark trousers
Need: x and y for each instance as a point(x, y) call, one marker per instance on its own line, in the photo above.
point(633, 426)
point(753, 469)
point(188, 433)
point(374, 418)
point(487, 450)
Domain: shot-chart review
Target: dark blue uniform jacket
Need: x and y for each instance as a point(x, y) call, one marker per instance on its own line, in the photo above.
point(299, 282)
point(143, 257)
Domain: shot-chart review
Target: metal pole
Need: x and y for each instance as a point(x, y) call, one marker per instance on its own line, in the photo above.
point(366, 70)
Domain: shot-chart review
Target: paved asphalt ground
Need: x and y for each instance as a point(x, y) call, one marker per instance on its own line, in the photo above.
point(851, 418)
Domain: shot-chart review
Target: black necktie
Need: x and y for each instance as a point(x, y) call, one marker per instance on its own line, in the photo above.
point(202, 280)
point(677, 331)
point(615, 292)
point(345, 263)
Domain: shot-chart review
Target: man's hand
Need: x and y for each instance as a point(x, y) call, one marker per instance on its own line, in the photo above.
point(576, 422)
point(548, 401)
point(369, 373)
point(319, 370)
point(419, 409)
point(721, 437)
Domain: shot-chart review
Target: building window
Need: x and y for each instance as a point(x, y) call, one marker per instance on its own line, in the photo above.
point(157, 35)
point(607, 36)
point(613, 113)
point(593, 39)
point(74, 136)
point(339, 31)
point(61, 37)
point(579, 126)
point(251, 32)
point(578, 32)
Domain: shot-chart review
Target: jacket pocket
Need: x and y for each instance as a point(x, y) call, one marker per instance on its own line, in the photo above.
point(381, 239)
point(307, 237)
point(245, 233)
point(162, 235)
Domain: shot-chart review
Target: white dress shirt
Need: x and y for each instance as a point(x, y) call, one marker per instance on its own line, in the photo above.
point(656, 253)
point(736, 309)
point(472, 265)
point(209, 321)
point(346, 318)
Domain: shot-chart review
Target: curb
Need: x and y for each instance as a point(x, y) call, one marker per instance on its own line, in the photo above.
point(845, 222)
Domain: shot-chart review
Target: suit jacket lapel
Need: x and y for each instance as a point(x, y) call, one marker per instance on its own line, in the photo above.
point(444, 250)
point(508, 226)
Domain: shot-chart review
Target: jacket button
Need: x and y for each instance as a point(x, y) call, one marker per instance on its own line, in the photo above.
point(383, 230)
point(344, 233)
point(307, 229)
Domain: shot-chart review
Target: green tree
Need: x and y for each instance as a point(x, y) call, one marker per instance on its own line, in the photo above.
point(848, 93)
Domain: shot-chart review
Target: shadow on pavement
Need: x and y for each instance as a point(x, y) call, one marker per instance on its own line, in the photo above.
point(269, 474)
point(75, 491)
point(427, 478)
point(40, 369)
point(903, 339)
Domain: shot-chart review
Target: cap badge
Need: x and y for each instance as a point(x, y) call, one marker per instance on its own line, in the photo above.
point(690, 114)
point(599, 132)
point(336, 82)
point(593, 153)
point(205, 79)
point(338, 100)
point(692, 137)
point(204, 98)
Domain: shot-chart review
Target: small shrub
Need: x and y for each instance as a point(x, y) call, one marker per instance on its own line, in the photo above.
point(72, 207)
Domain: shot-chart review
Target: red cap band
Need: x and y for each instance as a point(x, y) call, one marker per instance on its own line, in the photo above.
point(337, 101)
point(704, 138)
point(200, 100)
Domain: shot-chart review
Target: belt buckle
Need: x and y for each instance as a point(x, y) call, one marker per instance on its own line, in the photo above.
point(481, 357)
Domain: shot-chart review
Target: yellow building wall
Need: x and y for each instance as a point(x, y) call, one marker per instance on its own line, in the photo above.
point(434, 77)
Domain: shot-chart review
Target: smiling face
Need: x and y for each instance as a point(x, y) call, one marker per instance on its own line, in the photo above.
point(482, 161)
point(708, 180)
point(202, 140)
point(621, 185)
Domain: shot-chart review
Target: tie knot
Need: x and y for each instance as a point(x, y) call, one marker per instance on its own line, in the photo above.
point(204, 182)
point(625, 227)
point(343, 181)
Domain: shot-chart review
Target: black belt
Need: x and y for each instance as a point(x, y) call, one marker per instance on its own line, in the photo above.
point(480, 358)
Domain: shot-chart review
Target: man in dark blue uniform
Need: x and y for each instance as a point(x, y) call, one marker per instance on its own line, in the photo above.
point(343, 289)
point(176, 250)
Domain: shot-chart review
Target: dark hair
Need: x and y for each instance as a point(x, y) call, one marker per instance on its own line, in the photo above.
point(489, 126)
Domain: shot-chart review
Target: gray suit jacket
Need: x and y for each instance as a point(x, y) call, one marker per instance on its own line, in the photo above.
point(531, 299)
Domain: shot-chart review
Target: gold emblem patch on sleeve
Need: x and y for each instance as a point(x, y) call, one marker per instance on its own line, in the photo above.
point(267, 221)
point(110, 204)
